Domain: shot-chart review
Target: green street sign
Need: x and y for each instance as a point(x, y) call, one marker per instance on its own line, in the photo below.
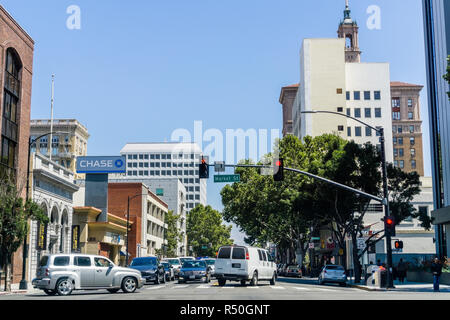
point(315, 238)
point(227, 178)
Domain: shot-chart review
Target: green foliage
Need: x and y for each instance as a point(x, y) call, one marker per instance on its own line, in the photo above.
point(205, 231)
point(173, 235)
point(447, 75)
point(14, 216)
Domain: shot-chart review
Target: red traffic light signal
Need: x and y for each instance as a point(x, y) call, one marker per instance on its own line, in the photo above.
point(203, 169)
point(278, 170)
point(389, 225)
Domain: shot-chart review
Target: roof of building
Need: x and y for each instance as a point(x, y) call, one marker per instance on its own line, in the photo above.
point(185, 147)
point(404, 84)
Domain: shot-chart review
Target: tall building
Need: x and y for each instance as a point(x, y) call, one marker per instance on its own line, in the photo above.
point(437, 48)
point(167, 160)
point(64, 147)
point(16, 65)
point(407, 127)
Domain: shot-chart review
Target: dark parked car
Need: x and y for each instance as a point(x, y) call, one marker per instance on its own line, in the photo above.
point(151, 269)
point(192, 270)
point(168, 268)
point(293, 271)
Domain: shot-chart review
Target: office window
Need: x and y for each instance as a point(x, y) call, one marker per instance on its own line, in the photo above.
point(145, 156)
point(191, 180)
point(340, 128)
point(394, 141)
point(348, 112)
point(396, 115)
point(141, 173)
point(377, 95)
point(412, 141)
point(395, 102)
point(349, 131)
point(367, 112)
point(130, 157)
point(377, 112)
point(339, 91)
point(413, 164)
point(410, 115)
point(157, 173)
point(340, 109)
point(134, 156)
point(378, 133)
point(399, 129)
point(347, 95)
point(413, 152)
point(368, 132)
point(358, 131)
point(169, 157)
point(366, 95)
point(356, 95)
point(141, 157)
point(395, 152)
point(401, 163)
point(130, 173)
point(163, 157)
point(152, 157)
point(158, 164)
point(163, 164)
point(395, 163)
point(411, 129)
point(401, 152)
point(134, 164)
point(357, 113)
point(400, 141)
point(410, 103)
point(146, 165)
point(174, 172)
point(141, 164)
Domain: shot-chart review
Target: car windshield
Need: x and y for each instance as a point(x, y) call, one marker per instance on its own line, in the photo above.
point(186, 259)
point(334, 268)
point(194, 264)
point(173, 261)
point(210, 262)
point(165, 264)
point(143, 262)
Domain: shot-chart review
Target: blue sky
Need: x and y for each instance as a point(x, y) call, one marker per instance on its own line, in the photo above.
point(137, 70)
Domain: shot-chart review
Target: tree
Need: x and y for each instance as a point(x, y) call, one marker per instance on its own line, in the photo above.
point(205, 231)
point(173, 236)
point(14, 216)
point(447, 75)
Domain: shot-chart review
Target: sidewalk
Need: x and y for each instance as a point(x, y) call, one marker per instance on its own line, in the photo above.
point(15, 290)
point(403, 287)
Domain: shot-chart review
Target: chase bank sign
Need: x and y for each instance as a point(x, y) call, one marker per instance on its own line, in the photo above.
point(101, 164)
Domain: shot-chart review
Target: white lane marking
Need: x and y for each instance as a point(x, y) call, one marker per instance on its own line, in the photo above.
point(204, 286)
point(251, 287)
point(155, 288)
point(321, 289)
point(278, 288)
point(302, 288)
point(180, 287)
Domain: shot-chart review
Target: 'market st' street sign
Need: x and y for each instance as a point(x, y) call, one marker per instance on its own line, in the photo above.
point(227, 178)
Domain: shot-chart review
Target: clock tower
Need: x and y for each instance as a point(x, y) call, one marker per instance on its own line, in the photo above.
point(348, 29)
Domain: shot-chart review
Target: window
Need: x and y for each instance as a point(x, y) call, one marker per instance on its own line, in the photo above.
point(340, 109)
point(163, 156)
point(357, 113)
point(410, 103)
point(410, 115)
point(411, 129)
point(366, 95)
point(368, 132)
point(401, 152)
point(348, 111)
point(134, 156)
point(399, 129)
point(357, 95)
point(377, 95)
point(378, 132)
point(396, 115)
point(152, 157)
point(423, 210)
point(358, 131)
point(141, 157)
point(349, 131)
point(340, 128)
point(347, 95)
point(400, 141)
point(395, 163)
point(367, 112)
point(412, 141)
point(238, 253)
point(339, 91)
point(394, 141)
point(413, 152)
point(395, 152)
point(395, 102)
point(82, 261)
point(102, 262)
point(260, 255)
point(377, 112)
point(61, 261)
point(157, 156)
point(402, 164)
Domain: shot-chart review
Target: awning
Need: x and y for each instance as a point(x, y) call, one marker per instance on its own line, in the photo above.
point(124, 254)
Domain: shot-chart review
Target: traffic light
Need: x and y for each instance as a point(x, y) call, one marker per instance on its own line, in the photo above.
point(398, 244)
point(389, 225)
point(203, 169)
point(278, 170)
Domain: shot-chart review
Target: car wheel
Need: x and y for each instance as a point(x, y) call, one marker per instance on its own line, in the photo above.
point(273, 280)
point(113, 290)
point(64, 287)
point(254, 281)
point(50, 292)
point(129, 285)
point(222, 282)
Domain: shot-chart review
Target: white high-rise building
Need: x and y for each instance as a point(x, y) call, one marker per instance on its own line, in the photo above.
point(167, 160)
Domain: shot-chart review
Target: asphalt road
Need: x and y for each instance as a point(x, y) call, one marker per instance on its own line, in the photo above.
point(285, 289)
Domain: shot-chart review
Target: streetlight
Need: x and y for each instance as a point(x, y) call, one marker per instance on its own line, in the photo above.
point(23, 283)
point(385, 202)
point(128, 218)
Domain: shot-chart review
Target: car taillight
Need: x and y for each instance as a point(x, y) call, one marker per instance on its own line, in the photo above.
point(247, 257)
point(325, 271)
point(47, 272)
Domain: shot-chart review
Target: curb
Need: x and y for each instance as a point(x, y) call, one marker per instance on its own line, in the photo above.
point(366, 288)
point(3, 293)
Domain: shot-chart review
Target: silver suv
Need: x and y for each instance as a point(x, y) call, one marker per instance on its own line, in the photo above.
point(63, 273)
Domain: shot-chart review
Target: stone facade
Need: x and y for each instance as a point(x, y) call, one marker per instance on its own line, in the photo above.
point(287, 98)
point(14, 40)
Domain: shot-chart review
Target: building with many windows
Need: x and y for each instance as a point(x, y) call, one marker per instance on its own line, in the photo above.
point(165, 161)
point(16, 65)
point(52, 188)
point(65, 147)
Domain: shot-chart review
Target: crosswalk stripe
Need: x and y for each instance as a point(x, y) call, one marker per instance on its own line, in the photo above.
point(301, 288)
point(321, 289)
point(155, 288)
point(180, 287)
point(204, 286)
point(278, 288)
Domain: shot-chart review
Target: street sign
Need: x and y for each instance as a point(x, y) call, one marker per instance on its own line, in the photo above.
point(219, 166)
point(315, 238)
point(227, 178)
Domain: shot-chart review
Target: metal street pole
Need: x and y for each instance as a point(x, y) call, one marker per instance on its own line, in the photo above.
point(385, 202)
point(23, 283)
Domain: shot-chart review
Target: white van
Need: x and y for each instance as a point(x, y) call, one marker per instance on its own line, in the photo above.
point(244, 263)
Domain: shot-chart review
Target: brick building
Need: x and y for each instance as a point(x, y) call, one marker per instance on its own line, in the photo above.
point(16, 65)
point(147, 212)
